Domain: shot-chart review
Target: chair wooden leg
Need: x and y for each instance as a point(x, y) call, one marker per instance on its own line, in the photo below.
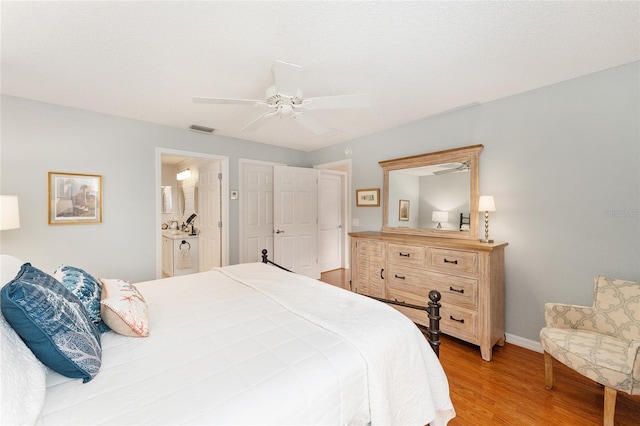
point(548, 370)
point(609, 405)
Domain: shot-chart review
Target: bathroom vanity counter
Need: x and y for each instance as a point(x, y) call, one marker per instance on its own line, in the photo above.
point(179, 253)
point(177, 235)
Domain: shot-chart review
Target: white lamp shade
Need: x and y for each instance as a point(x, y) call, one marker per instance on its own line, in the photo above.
point(486, 204)
point(440, 216)
point(9, 216)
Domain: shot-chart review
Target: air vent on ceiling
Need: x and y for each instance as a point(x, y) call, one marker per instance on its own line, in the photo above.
point(201, 129)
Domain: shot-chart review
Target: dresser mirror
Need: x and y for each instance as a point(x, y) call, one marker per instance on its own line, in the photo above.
point(433, 194)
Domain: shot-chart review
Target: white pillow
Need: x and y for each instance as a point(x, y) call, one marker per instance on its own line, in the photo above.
point(9, 268)
point(22, 375)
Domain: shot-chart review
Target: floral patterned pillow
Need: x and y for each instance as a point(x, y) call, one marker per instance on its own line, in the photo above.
point(123, 308)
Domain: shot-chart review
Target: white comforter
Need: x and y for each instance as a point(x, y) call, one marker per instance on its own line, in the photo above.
point(405, 379)
point(250, 344)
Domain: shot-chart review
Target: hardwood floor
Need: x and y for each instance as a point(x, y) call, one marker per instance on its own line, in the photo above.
point(509, 390)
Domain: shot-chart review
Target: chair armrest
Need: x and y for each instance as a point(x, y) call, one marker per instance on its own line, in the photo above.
point(633, 355)
point(560, 315)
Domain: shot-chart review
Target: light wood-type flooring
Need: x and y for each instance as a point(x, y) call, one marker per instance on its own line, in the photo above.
point(509, 390)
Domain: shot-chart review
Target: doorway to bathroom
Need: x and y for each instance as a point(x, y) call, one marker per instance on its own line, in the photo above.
point(191, 185)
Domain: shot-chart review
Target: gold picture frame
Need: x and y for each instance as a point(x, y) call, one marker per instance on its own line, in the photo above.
point(74, 198)
point(368, 197)
point(404, 210)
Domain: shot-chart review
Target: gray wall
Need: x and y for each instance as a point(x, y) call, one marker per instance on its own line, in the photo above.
point(563, 163)
point(37, 138)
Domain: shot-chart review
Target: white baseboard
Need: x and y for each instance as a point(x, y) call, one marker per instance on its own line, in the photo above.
point(533, 345)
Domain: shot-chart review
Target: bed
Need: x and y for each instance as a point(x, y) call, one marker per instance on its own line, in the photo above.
point(242, 344)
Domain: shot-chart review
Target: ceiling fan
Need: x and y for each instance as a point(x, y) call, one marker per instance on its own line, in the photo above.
point(454, 167)
point(285, 99)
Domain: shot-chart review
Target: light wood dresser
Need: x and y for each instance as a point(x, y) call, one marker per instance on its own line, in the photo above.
point(469, 275)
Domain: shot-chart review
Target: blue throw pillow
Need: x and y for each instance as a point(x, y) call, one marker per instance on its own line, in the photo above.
point(86, 288)
point(53, 323)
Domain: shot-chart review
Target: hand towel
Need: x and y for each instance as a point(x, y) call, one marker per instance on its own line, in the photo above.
point(184, 257)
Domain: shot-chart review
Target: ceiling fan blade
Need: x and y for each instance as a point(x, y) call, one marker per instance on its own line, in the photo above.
point(446, 171)
point(315, 126)
point(232, 101)
point(362, 100)
point(258, 122)
point(287, 77)
point(454, 167)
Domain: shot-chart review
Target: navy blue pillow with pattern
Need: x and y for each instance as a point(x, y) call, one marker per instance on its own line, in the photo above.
point(53, 323)
point(86, 288)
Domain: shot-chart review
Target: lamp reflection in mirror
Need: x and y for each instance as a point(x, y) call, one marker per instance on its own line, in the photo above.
point(9, 214)
point(440, 217)
point(486, 204)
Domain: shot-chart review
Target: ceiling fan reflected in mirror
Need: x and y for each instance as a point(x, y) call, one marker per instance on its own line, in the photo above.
point(285, 99)
point(453, 168)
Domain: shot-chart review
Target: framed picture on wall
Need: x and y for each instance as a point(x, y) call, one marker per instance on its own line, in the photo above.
point(403, 211)
point(74, 198)
point(368, 197)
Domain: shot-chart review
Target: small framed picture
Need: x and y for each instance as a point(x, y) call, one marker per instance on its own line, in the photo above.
point(403, 211)
point(368, 197)
point(74, 198)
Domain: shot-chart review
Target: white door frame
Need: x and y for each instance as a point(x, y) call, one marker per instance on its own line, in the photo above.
point(342, 178)
point(224, 163)
point(346, 197)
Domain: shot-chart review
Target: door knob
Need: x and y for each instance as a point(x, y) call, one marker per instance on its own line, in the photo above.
point(279, 232)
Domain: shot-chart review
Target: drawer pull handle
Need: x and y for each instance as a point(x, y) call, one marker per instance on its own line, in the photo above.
point(404, 254)
point(381, 276)
point(461, 321)
point(461, 291)
point(400, 277)
point(455, 262)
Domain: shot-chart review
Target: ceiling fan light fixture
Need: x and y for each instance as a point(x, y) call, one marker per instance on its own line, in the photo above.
point(272, 96)
point(285, 108)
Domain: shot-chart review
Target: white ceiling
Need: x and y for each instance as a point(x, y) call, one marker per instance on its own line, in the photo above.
point(145, 60)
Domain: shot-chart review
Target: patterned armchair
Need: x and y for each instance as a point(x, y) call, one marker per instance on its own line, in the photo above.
point(601, 342)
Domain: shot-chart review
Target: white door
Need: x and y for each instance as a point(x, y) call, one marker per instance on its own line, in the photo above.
point(256, 210)
point(209, 220)
point(330, 227)
point(295, 204)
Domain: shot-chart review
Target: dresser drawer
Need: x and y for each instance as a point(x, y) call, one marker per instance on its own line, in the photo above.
point(452, 262)
point(458, 322)
point(404, 254)
point(371, 248)
point(454, 290)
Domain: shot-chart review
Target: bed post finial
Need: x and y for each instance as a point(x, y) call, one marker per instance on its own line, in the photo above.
point(264, 255)
point(434, 321)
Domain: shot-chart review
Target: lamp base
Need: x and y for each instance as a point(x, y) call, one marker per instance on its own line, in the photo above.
point(484, 240)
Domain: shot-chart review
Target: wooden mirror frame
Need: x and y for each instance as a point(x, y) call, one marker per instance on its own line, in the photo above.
point(456, 155)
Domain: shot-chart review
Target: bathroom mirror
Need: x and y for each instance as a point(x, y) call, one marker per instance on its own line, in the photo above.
point(196, 199)
point(167, 199)
point(433, 194)
point(181, 203)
